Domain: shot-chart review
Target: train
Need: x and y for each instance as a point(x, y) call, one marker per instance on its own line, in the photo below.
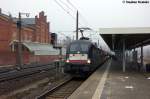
point(83, 57)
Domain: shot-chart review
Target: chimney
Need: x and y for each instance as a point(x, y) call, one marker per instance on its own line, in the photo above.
point(41, 14)
point(36, 19)
point(45, 18)
point(0, 11)
point(10, 16)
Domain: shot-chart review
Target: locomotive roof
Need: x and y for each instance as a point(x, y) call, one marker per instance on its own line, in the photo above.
point(80, 41)
point(83, 41)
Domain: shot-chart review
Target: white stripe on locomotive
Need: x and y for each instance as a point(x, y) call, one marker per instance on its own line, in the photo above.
point(78, 56)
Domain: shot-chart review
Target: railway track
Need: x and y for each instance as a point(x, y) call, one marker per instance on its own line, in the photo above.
point(63, 90)
point(15, 73)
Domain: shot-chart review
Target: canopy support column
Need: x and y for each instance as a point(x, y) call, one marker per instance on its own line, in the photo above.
point(142, 65)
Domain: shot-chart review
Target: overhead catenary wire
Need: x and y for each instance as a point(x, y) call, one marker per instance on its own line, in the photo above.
point(86, 22)
point(81, 15)
point(66, 5)
point(64, 9)
point(61, 3)
point(79, 11)
point(68, 12)
point(71, 4)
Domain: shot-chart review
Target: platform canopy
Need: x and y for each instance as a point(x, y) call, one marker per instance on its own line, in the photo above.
point(38, 48)
point(133, 36)
point(41, 49)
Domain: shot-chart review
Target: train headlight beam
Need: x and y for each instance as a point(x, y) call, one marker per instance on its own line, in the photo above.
point(67, 61)
point(88, 61)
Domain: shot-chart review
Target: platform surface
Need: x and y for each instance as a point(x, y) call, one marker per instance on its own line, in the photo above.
point(109, 82)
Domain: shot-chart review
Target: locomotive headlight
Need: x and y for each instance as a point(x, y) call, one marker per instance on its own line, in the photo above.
point(67, 61)
point(88, 61)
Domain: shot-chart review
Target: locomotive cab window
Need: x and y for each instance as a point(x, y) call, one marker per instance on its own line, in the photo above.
point(79, 47)
point(74, 47)
point(84, 47)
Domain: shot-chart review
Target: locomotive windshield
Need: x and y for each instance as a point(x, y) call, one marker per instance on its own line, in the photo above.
point(74, 47)
point(79, 47)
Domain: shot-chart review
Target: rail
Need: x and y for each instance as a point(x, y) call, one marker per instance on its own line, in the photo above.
point(26, 70)
point(52, 89)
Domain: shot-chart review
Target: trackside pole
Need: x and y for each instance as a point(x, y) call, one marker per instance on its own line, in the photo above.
point(77, 25)
point(124, 58)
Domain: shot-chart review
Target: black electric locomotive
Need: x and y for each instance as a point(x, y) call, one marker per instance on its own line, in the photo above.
point(83, 57)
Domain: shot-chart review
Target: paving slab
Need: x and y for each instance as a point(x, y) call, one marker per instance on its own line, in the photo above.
point(128, 85)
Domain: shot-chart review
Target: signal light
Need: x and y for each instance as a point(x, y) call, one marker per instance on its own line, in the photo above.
point(88, 61)
point(67, 61)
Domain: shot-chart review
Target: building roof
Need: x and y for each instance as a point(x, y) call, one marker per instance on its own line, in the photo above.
point(4, 15)
point(26, 21)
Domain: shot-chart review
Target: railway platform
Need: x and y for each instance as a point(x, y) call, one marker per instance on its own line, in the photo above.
point(110, 82)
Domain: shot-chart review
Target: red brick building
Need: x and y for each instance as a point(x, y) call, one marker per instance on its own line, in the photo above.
point(35, 39)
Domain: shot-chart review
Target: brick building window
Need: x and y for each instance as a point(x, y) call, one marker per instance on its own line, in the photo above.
point(25, 37)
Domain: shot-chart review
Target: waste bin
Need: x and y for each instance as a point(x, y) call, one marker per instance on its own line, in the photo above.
point(147, 67)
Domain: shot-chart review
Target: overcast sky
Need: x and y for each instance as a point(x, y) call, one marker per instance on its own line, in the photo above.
point(93, 13)
point(98, 13)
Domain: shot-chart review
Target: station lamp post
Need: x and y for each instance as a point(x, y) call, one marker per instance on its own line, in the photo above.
point(113, 42)
point(77, 24)
point(19, 48)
